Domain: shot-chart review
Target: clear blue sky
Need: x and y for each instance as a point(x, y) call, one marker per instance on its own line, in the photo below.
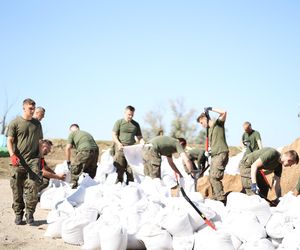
point(84, 61)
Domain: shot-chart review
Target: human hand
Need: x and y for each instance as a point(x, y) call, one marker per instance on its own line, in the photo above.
point(255, 188)
point(207, 109)
point(14, 160)
point(61, 176)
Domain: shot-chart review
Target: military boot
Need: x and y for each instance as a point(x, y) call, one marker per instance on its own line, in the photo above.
point(18, 219)
point(29, 219)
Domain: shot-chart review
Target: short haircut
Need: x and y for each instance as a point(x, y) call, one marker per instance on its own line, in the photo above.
point(202, 115)
point(29, 101)
point(40, 109)
point(247, 123)
point(47, 141)
point(294, 155)
point(131, 108)
point(74, 125)
point(182, 141)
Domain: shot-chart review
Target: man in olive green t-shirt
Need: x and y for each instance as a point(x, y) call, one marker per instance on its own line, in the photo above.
point(126, 131)
point(197, 155)
point(163, 145)
point(23, 136)
point(268, 159)
point(251, 138)
point(87, 153)
point(219, 150)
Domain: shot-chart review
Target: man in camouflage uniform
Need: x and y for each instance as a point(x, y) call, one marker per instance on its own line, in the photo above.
point(251, 138)
point(126, 131)
point(87, 153)
point(23, 136)
point(219, 150)
point(197, 155)
point(269, 159)
point(167, 146)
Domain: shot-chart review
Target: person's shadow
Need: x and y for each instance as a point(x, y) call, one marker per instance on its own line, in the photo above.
point(39, 222)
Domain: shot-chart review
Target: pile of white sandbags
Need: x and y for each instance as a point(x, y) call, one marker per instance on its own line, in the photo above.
point(142, 215)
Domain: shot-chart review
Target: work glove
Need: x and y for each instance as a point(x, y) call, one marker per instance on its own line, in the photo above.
point(207, 109)
point(69, 164)
point(14, 160)
point(255, 188)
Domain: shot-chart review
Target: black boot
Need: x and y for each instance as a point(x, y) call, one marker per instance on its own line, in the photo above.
point(29, 219)
point(18, 219)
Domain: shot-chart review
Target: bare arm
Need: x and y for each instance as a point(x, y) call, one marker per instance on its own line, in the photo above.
point(173, 166)
point(259, 144)
point(116, 140)
point(222, 113)
point(258, 163)
point(187, 162)
point(10, 143)
point(68, 152)
point(49, 173)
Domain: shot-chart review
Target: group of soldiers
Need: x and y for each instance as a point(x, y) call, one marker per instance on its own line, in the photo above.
point(30, 173)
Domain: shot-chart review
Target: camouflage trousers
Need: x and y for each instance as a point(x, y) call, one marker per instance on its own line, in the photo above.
point(151, 161)
point(122, 167)
point(216, 174)
point(85, 161)
point(245, 171)
point(25, 187)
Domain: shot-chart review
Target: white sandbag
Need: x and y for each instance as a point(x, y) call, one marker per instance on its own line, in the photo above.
point(184, 242)
point(105, 166)
point(65, 208)
point(133, 155)
point(93, 193)
point(154, 237)
point(63, 169)
point(72, 230)
point(52, 196)
point(54, 229)
point(253, 203)
point(176, 221)
point(232, 167)
point(85, 181)
point(112, 235)
point(130, 195)
point(244, 225)
point(279, 225)
point(77, 197)
point(262, 244)
point(218, 207)
point(91, 236)
point(291, 241)
point(209, 239)
point(86, 213)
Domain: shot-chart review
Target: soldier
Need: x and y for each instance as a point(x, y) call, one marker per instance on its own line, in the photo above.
point(87, 153)
point(126, 131)
point(268, 159)
point(23, 136)
point(45, 148)
point(163, 145)
point(219, 150)
point(251, 138)
point(39, 113)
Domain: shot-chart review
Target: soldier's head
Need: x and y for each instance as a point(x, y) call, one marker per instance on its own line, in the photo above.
point(46, 146)
point(289, 158)
point(39, 113)
point(247, 127)
point(129, 113)
point(202, 119)
point(74, 127)
point(28, 108)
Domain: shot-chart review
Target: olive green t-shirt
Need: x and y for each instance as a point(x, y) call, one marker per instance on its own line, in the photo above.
point(26, 134)
point(252, 138)
point(217, 137)
point(82, 140)
point(127, 131)
point(270, 158)
point(195, 153)
point(166, 145)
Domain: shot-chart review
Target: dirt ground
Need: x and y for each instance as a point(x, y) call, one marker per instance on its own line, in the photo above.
point(31, 237)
